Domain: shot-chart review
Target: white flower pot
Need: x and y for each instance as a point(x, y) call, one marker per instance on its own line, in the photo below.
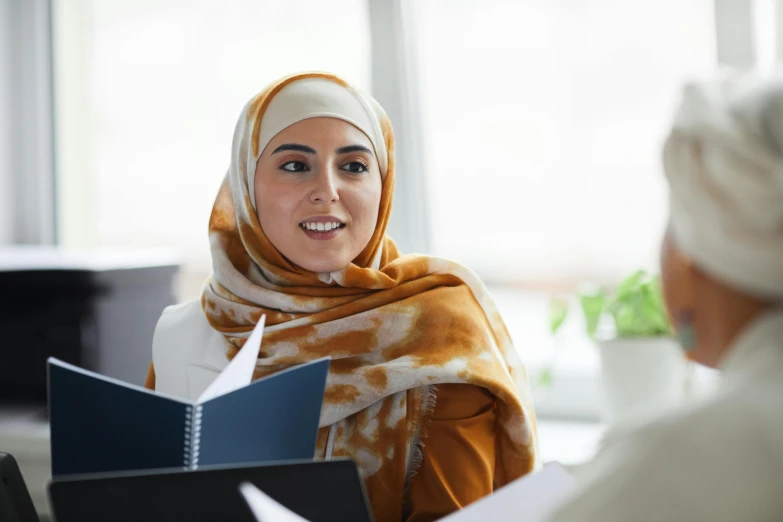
point(641, 376)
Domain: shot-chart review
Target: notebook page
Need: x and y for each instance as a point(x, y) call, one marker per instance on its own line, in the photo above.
point(266, 509)
point(533, 498)
point(239, 371)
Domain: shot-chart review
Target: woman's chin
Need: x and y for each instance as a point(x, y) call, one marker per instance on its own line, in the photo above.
point(322, 266)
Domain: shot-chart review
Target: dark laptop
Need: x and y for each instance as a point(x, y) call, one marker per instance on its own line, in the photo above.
point(15, 502)
point(317, 491)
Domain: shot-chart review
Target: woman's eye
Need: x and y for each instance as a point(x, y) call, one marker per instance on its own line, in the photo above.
point(294, 166)
point(355, 166)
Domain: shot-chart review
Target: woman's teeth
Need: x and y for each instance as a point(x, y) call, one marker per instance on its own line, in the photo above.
point(321, 227)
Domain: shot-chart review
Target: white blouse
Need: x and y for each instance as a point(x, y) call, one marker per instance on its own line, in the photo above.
point(187, 352)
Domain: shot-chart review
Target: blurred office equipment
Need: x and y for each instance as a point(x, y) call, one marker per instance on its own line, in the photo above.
point(96, 309)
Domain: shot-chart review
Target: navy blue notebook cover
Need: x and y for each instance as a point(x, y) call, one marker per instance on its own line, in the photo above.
point(99, 424)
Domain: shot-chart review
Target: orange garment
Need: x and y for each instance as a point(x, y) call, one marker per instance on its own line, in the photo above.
point(149, 381)
point(458, 454)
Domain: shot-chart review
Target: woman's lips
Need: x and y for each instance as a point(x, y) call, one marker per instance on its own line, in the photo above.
point(322, 235)
point(322, 228)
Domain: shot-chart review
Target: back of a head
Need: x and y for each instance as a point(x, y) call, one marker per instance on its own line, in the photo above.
point(724, 163)
point(760, 109)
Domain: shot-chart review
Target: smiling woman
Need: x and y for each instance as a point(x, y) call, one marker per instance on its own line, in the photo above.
point(417, 346)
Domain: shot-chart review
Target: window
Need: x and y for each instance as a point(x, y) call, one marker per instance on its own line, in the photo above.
point(148, 95)
point(544, 122)
point(542, 128)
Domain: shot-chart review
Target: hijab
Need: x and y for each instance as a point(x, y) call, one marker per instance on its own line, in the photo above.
point(394, 326)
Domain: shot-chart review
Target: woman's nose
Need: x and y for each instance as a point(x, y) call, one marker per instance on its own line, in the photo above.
point(325, 186)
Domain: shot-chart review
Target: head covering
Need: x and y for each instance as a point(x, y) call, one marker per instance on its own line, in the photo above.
point(724, 163)
point(320, 97)
point(395, 326)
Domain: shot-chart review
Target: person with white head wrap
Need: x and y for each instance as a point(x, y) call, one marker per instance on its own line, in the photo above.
point(722, 272)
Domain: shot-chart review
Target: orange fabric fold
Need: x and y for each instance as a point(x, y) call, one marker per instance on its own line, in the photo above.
point(458, 454)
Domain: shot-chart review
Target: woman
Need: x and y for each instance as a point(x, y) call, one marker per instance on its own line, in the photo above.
point(425, 390)
point(722, 272)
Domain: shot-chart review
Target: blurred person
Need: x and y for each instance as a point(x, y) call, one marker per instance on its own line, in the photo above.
point(722, 276)
point(426, 392)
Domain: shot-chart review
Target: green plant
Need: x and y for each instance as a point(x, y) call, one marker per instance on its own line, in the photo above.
point(635, 307)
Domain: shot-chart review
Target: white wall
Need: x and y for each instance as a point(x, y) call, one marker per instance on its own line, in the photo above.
point(6, 158)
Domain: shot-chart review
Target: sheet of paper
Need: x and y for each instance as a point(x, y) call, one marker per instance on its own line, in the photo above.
point(265, 508)
point(530, 499)
point(239, 371)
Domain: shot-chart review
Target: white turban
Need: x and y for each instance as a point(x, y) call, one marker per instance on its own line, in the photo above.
point(724, 164)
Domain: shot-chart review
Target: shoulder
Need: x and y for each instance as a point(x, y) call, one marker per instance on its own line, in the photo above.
point(176, 324)
point(187, 352)
point(727, 431)
point(718, 461)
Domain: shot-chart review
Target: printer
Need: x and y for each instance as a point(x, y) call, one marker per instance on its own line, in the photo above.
point(95, 308)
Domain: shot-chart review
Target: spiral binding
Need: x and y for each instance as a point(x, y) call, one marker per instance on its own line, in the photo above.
point(192, 437)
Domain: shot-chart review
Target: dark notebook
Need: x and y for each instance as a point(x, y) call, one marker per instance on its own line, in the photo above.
point(15, 502)
point(330, 491)
point(99, 424)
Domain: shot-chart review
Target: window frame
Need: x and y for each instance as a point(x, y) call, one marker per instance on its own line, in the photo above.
point(28, 168)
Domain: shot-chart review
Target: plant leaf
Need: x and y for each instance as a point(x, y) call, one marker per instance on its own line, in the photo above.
point(638, 309)
point(545, 377)
point(558, 312)
point(592, 303)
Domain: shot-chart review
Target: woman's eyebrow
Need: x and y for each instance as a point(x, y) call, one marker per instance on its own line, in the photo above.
point(353, 148)
point(294, 146)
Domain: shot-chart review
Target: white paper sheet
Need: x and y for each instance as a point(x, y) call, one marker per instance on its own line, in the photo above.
point(265, 508)
point(529, 499)
point(239, 371)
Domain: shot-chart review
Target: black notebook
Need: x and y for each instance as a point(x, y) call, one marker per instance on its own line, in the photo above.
point(326, 491)
point(15, 502)
point(99, 424)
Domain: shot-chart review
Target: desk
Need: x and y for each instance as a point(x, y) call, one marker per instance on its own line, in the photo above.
point(24, 433)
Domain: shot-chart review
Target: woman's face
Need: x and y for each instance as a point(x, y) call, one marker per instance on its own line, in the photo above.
point(318, 191)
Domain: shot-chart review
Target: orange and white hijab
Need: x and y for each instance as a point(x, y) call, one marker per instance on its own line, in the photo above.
point(395, 326)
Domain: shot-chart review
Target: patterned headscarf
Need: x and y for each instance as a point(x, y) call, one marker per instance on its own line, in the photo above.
point(394, 326)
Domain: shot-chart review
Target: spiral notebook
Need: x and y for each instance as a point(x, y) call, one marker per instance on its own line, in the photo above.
point(99, 424)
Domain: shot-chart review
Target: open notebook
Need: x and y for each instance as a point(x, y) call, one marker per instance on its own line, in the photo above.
point(529, 499)
point(99, 424)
